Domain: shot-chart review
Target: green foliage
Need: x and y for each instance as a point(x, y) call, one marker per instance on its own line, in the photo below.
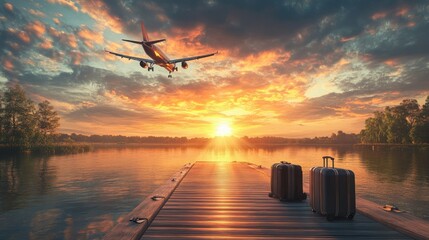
point(420, 131)
point(21, 124)
point(48, 121)
point(405, 123)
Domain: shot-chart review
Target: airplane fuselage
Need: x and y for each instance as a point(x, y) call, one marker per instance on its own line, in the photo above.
point(159, 57)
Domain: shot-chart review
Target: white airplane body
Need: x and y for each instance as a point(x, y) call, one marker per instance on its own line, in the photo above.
point(157, 56)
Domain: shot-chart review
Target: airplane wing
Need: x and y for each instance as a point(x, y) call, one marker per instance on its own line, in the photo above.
point(191, 58)
point(131, 57)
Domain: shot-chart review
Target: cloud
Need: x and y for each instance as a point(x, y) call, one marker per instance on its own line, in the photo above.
point(68, 3)
point(36, 13)
point(98, 10)
point(112, 115)
point(282, 64)
point(8, 6)
point(37, 28)
point(56, 21)
point(89, 37)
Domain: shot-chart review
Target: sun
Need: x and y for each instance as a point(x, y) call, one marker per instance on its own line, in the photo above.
point(223, 130)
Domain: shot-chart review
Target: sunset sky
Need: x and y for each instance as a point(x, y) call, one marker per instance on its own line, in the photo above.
point(284, 68)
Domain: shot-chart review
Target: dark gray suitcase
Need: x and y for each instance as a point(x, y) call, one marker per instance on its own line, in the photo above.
point(332, 191)
point(286, 182)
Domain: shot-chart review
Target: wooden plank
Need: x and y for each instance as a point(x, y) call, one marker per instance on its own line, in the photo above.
point(147, 209)
point(404, 222)
point(229, 201)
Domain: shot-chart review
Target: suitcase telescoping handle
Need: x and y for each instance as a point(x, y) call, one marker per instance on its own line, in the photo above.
point(326, 160)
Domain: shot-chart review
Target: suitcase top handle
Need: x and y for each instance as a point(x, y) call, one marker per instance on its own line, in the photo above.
point(284, 162)
point(326, 160)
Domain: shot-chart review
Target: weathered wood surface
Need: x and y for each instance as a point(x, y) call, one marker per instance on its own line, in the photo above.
point(148, 209)
point(403, 222)
point(224, 200)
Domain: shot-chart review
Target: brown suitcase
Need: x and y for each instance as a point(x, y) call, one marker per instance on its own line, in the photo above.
point(286, 182)
point(332, 191)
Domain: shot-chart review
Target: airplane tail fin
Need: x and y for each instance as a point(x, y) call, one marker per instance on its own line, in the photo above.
point(144, 33)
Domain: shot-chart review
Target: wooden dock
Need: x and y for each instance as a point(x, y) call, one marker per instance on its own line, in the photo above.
point(229, 200)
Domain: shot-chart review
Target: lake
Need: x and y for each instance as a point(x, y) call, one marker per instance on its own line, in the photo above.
point(81, 196)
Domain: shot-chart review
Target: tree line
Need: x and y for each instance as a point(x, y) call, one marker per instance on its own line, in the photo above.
point(336, 138)
point(22, 122)
point(25, 124)
point(405, 123)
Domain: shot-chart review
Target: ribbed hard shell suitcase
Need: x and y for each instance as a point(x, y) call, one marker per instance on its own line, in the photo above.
point(286, 182)
point(332, 191)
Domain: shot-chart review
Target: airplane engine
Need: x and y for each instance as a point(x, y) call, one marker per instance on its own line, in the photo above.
point(143, 64)
point(184, 65)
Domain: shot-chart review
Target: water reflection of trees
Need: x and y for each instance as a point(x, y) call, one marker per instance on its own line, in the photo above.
point(396, 165)
point(421, 163)
point(22, 176)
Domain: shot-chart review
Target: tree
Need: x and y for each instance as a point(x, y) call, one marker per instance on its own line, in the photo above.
point(375, 129)
point(404, 123)
point(18, 121)
point(48, 121)
point(420, 130)
point(410, 109)
point(398, 128)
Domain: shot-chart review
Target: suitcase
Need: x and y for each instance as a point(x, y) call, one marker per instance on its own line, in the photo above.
point(286, 182)
point(332, 191)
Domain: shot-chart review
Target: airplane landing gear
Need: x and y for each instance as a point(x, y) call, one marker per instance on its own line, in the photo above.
point(175, 69)
point(170, 76)
point(150, 68)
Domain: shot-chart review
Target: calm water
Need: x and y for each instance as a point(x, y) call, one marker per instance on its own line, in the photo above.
point(82, 196)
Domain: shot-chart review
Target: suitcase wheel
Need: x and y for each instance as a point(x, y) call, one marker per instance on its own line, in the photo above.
point(313, 210)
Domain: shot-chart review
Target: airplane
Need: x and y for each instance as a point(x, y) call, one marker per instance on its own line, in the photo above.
point(157, 56)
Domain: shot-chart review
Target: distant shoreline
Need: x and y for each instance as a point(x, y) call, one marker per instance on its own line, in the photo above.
point(53, 148)
point(81, 147)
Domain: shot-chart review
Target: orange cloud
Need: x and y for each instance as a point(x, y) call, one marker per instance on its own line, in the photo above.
point(8, 6)
point(402, 11)
point(391, 62)
point(68, 3)
point(89, 37)
point(346, 39)
point(46, 44)
point(262, 59)
point(56, 21)
point(8, 65)
point(184, 43)
point(37, 28)
point(54, 32)
point(64, 38)
point(98, 11)
point(36, 13)
point(24, 36)
point(70, 40)
point(378, 15)
point(76, 57)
